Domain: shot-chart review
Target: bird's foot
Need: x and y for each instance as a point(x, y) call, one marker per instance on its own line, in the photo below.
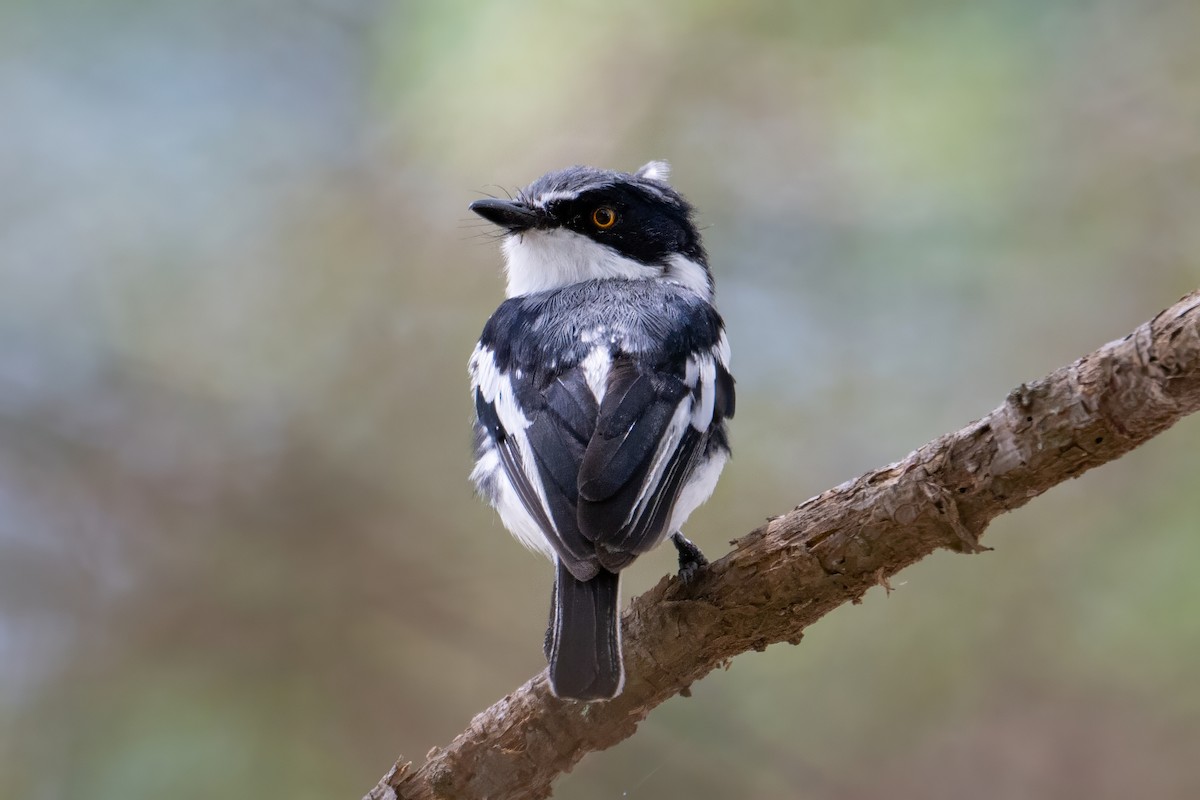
point(691, 560)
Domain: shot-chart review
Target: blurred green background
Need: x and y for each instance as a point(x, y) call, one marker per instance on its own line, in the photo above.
point(239, 556)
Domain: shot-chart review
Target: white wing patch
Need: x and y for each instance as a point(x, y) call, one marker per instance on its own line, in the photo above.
point(722, 350)
point(496, 388)
point(704, 479)
point(701, 371)
point(702, 412)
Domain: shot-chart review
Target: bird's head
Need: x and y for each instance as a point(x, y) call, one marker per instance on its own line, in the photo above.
point(581, 223)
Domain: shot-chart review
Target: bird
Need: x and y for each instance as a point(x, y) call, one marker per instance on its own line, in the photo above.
point(602, 392)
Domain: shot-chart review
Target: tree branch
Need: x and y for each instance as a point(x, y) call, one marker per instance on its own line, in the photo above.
point(830, 550)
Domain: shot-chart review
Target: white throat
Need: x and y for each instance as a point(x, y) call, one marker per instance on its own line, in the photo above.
point(540, 260)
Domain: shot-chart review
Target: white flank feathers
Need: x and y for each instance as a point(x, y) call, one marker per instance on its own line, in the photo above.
point(697, 489)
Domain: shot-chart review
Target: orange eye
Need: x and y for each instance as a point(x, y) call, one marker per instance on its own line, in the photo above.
point(604, 218)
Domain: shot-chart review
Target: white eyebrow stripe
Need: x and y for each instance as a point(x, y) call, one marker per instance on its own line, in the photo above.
point(543, 200)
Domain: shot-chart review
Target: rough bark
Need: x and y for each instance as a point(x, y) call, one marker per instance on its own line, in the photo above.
point(829, 550)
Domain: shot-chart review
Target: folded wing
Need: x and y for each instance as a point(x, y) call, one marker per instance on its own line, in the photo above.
point(600, 479)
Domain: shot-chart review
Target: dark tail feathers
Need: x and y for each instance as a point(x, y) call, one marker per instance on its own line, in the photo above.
point(585, 637)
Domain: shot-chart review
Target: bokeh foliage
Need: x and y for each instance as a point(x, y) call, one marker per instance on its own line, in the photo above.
point(238, 284)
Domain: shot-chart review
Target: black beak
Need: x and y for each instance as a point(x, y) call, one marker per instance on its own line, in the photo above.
point(510, 214)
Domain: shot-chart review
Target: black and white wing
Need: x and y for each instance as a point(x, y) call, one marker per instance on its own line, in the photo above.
point(657, 431)
point(533, 490)
point(596, 463)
